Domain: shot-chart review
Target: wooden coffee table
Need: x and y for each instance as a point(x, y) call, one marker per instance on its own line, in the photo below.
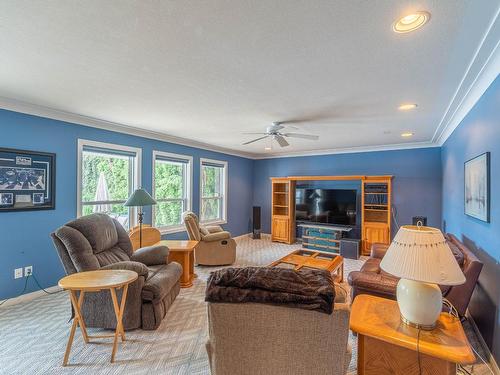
point(303, 259)
point(182, 251)
point(95, 281)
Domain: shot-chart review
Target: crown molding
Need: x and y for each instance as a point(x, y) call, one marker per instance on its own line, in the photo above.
point(46, 112)
point(55, 114)
point(481, 72)
point(350, 150)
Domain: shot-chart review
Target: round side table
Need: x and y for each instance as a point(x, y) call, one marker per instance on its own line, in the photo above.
point(95, 281)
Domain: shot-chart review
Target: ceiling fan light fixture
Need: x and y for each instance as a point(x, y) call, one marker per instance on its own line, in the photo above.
point(407, 107)
point(411, 22)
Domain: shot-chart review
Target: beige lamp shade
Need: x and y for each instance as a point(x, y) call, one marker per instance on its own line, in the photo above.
point(422, 254)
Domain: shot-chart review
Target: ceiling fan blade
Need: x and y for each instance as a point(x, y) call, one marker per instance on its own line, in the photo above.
point(255, 133)
point(282, 141)
point(255, 140)
point(304, 136)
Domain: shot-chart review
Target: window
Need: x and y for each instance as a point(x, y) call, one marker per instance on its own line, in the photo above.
point(107, 175)
point(213, 205)
point(172, 178)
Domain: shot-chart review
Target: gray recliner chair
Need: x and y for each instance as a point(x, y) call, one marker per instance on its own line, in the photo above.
point(96, 242)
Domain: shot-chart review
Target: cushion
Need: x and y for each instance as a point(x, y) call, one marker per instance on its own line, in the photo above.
point(217, 236)
point(371, 265)
point(192, 226)
point(113, 255)
point(459, 256)
point(98, 229)
point(79, 249)
point(151, 255)
point(161, 279)
point(204, 231)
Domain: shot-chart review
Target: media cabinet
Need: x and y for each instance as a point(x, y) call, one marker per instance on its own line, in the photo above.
point(375, 207)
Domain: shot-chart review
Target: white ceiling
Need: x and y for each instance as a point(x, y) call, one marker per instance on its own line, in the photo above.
point(209, 70)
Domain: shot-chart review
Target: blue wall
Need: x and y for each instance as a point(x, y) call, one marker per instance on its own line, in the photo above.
point(416, 184)
point(24, 236)
point(479, 132)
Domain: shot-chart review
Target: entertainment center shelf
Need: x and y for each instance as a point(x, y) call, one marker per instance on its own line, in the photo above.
point(375, 210)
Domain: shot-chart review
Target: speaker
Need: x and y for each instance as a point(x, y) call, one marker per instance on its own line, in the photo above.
point(421, 219)
point(256, 223)
point(349, 248)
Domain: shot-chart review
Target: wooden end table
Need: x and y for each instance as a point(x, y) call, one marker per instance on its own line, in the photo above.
point(95, 281)
point(182, 251)
point(388, 346)
point(302, 259)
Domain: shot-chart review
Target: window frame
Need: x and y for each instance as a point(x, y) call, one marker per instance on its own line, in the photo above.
point(225, 189)
point(188, 184)
point(136, 177)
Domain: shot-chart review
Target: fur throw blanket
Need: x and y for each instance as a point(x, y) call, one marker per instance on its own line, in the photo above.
point(308, 289)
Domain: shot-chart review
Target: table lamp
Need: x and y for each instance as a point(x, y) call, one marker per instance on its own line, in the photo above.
point(422, 259)
point(140, 198)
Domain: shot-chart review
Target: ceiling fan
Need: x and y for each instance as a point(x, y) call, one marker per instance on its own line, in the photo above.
point(274, 131)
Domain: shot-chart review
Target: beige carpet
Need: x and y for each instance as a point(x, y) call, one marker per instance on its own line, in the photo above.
point(33, 336)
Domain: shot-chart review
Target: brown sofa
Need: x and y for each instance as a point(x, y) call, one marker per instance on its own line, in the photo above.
point(371, 279)
point(99, 242)
point(254, 338)
point(216, 247)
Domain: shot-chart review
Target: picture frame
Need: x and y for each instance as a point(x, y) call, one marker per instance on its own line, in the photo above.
point(27, 180)
point(477, 187)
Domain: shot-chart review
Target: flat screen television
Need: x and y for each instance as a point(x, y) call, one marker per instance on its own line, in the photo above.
point(325, 206)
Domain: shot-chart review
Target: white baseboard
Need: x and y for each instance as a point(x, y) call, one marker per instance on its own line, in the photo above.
point(489, 357)
point(246, 235)
point(29, 296)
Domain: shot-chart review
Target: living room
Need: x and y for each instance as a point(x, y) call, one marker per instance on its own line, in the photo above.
point(204, 153)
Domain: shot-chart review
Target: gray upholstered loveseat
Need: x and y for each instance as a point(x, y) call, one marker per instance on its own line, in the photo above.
point(99, 242)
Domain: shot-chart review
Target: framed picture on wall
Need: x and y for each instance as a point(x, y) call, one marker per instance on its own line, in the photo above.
point(27, 180)
point(477, 187)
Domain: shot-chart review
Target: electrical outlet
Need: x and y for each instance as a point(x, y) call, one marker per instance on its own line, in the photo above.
point(28, 271)
point(18, 273)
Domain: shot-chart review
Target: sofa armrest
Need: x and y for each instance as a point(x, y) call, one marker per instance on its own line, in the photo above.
point(151, 255)
point(217, 236)
point(214, 228)
point(378, 250)
point(128, 265)
point(373, 283)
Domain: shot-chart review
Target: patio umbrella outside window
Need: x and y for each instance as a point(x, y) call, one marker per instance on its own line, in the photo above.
point(102, 195)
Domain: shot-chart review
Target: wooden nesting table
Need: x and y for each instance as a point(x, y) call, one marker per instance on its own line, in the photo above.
point(302, 259)
point(95, 281)
point(182, 251)
point(388, 346)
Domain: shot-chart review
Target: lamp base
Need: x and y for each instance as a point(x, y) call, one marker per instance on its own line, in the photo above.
point(419, 303)
point(416, 325)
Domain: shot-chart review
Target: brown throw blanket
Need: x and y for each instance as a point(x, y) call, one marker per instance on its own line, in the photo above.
point(304, 289)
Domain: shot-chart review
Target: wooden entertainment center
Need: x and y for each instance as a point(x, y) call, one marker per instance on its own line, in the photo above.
point(375, 207)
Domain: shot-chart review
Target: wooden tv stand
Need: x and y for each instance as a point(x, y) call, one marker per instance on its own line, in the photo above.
point(375, 207)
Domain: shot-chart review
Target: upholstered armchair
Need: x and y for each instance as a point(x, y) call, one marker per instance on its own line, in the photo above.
point(96, 242)
point(216, 247)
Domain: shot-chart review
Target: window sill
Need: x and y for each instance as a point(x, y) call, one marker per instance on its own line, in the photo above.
point(171, 230)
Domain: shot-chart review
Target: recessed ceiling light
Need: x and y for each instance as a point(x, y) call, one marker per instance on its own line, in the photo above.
point(407, 107)
point(267, 148)
point(406, 134)
point(411, 22)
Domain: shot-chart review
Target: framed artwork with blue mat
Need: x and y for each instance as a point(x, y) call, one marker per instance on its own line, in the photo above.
point(477, 187)
point(27, 180)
